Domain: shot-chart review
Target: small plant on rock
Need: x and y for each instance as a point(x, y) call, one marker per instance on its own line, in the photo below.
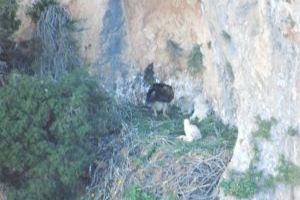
point(288, 172)
point(133, 192)
point(195, 59)
point(246, 184)
point(291, 131)
point(264, 127)
point(241, 186)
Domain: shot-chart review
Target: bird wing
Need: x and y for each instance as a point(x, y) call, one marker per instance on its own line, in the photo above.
point(196, 132)
point(160, 92)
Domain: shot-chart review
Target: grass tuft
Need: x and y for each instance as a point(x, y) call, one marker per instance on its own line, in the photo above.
point(291, 131)
point(264, 127)
point(8, 21)
point(241, 186)
point(133, 192)
point(288, 172)
point(245, 185)
point(195, 59)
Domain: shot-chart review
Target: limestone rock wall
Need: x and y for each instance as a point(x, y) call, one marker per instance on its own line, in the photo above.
point(264, 53)
point(150, 25)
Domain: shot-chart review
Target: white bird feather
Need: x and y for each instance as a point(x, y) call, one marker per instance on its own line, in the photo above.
point(192, 132)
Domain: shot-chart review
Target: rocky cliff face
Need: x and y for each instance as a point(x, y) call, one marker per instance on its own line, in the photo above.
point(248, 64)
point(264, 54)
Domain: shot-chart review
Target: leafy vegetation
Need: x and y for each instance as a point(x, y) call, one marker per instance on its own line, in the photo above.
point(263, 131)
point(288, 172)
point(8, 22)
point(246, 184)
point(264, 127)
point(291, 131)
point(256, 156)
point(133, 192)
point(224, 135)
point(212, 125)
point(47, 132)
point(38, 8)
point(242, 186)
point(195, 59)
point(13, 54)
point(145, 122)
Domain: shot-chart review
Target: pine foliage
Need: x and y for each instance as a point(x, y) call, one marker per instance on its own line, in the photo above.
point(48, 133)
point(8, 22)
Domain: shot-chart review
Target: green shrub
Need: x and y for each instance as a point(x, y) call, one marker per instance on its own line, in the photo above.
point(195, 59)
point(288, 172)
point(291, 131)
point(246, 184)
point(264, 127)
point(256, 155)
point(133, 192)
point(212, 125)
point(47, 132)
point(241, 186)
point(8, 22)
point(36, 10)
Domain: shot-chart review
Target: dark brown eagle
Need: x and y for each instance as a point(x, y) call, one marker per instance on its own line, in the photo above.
point(159, 96)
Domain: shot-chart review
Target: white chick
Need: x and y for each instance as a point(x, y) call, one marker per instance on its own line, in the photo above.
point(192, 132)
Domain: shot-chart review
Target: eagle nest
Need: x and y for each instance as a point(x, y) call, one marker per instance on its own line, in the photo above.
point(148, 160)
